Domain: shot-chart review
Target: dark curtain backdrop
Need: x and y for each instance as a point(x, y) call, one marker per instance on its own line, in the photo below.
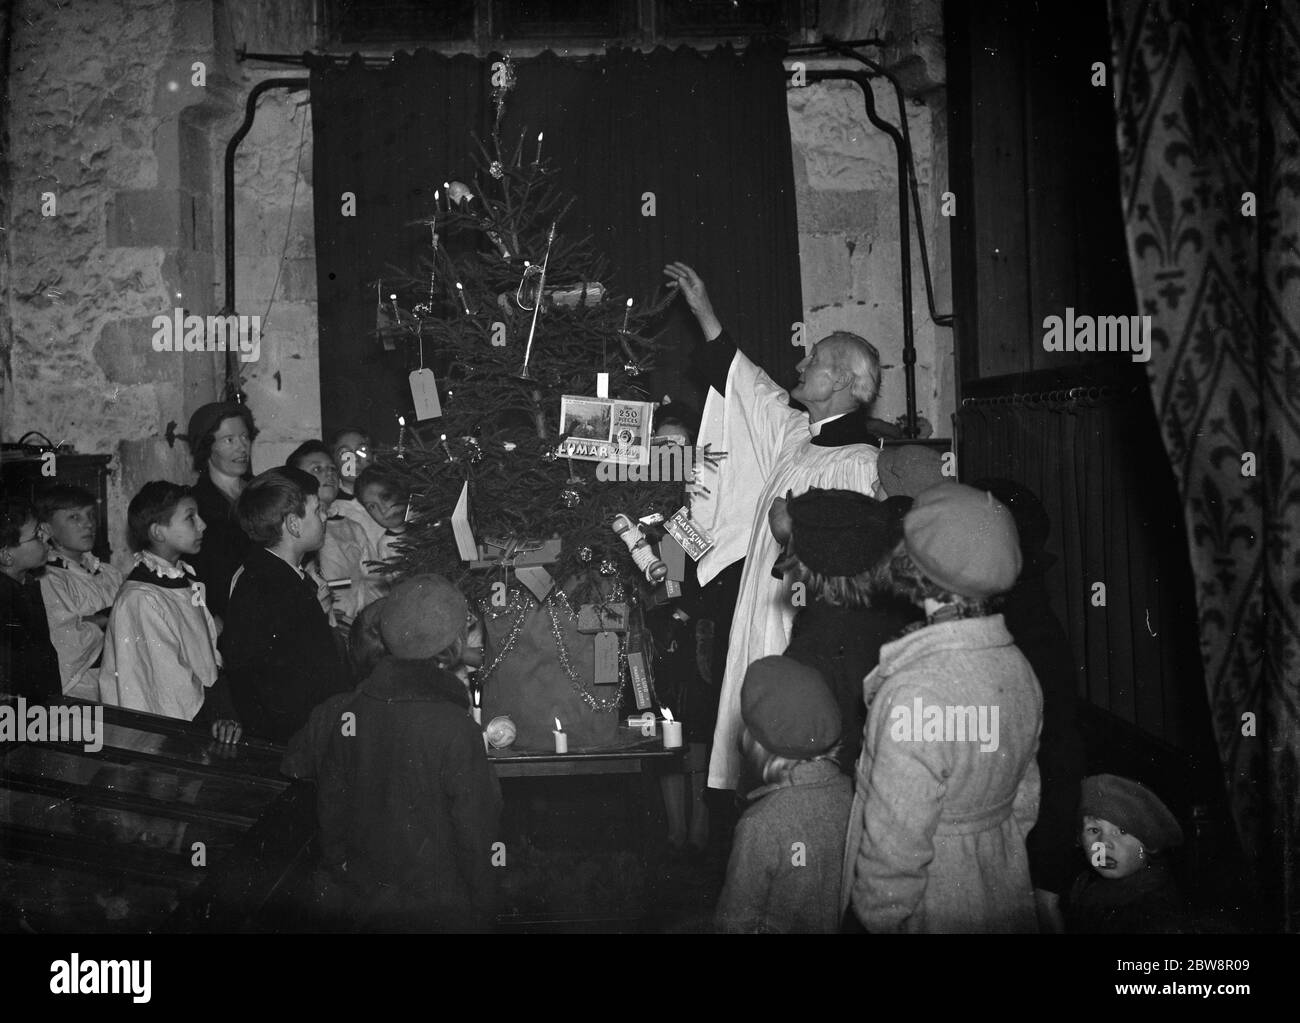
point(1096, 463)
point(1207, 101)
point(707, 133)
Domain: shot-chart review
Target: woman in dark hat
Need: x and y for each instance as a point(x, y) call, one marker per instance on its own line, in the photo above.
point(840, 547)
point(221, 441)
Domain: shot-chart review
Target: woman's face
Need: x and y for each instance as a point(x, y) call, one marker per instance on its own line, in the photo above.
point(232, 448)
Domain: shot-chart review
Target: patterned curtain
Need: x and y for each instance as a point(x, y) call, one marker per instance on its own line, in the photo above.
point(1208, 112)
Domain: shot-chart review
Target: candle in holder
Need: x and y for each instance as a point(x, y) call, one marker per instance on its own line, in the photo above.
point(460, 290)
point(561, 740)
point(672, 731)
point(626, 313)
point(538, 157)
point(443, 441)
point(477, 709)
point(401, 436)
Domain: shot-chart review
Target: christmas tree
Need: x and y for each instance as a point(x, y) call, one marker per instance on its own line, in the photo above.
point(510, 312)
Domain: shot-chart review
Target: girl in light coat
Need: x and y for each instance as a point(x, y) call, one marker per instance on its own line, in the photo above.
point(947, 785)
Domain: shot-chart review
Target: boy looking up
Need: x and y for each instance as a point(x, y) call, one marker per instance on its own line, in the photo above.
point(278, 643)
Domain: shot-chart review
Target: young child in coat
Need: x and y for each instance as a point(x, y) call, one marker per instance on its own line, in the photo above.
point(409, 807)
point(160, 650)
point(787, 854)
point(29, 667)
point(387, 501)
point(947, 787)
point(280, 649)
point(1128, 888)
point(77, 587)
point(840, 547)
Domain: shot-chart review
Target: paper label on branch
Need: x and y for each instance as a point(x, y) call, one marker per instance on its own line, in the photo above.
point(424, 392)
point(606, 659)
point(462, 528)
point(602, 618)
point(602, 385)
point(605, 429)
point(537, 579)
point(640, 674)
point(694, 538)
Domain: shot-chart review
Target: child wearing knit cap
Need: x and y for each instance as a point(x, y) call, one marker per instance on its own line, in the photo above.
point(784, 872)
point(409, 807)
point(1128, 888)
point(947, 787)
point(840, 547)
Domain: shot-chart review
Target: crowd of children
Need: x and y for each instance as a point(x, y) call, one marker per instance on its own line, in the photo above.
point(892, 754)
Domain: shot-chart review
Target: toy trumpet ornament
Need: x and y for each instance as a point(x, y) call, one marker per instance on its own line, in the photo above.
point(523, 373)
point(654, 569)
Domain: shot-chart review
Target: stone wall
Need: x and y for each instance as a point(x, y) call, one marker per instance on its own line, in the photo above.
point(111, 118)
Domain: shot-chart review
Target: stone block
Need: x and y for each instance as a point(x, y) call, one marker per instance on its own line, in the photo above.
point(825, 269)
point(124, 351)
point(139, 218)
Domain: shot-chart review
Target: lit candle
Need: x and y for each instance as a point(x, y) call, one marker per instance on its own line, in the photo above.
point(401, 436)
point(672, 731)
point(460, 290)
point(538, 157)
point(626, 313)
point(443, 441)
point(477, 709)
point(561, 740)
point(447, 188)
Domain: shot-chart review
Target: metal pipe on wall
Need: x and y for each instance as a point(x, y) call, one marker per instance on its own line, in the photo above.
point(232, 391)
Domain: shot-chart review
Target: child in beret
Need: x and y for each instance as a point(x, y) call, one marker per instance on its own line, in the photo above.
point(786, 857)
point(1128, 889)
point(947, 787)
point(409, 807)
point(839, 551)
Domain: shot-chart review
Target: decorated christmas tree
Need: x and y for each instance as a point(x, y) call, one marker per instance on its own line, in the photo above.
point(530, 439)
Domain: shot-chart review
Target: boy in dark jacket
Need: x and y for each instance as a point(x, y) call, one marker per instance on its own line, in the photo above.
point(278, 645)
point(28, 664)
point(409, 807)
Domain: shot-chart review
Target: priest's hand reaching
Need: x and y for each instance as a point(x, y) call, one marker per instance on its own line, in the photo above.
point(688, 283)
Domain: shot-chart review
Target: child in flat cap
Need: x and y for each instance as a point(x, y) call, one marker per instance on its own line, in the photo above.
point(1127, 889)
point(409, 807)
point(947, 787)
point(840, 548)
point(784, 872)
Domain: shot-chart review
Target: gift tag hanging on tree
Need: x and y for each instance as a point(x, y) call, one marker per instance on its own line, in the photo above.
point(424, 392)
point(606, 673)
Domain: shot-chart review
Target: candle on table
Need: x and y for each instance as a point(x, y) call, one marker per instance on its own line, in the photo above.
point(672, 731)
point(561, 740)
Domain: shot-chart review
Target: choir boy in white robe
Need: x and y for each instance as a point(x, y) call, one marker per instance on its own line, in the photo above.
point(77, 588)
point(772, 450)
point(160, 654)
